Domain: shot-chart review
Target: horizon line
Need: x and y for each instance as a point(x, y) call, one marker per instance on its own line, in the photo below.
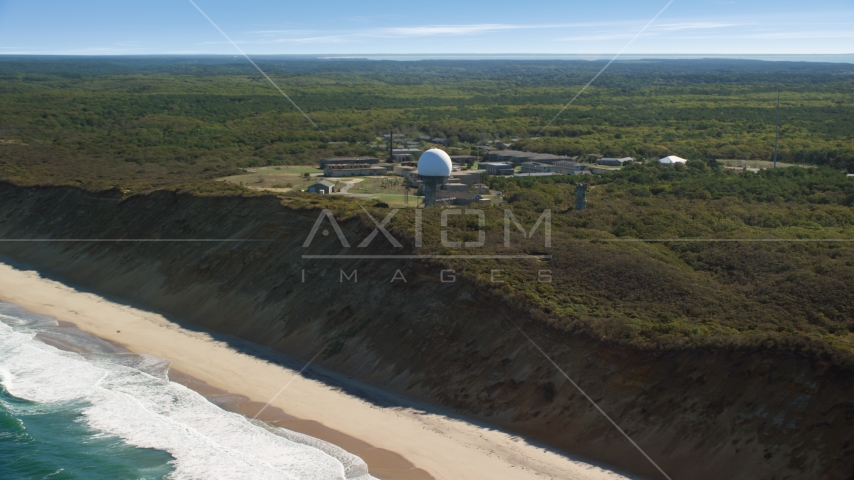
point(362, 55)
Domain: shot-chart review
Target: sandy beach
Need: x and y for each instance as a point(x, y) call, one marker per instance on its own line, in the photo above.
point(399, 442)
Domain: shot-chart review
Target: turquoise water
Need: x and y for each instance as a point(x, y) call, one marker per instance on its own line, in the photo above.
point(39, 441)
point(73, 406)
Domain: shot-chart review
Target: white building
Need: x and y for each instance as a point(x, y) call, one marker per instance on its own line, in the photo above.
point(614, 162)
point(672, 160)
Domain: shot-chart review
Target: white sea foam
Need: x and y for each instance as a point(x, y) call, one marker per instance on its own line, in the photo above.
point(128, 395)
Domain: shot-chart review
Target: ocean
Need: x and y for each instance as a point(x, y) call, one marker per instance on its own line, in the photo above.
point(101, 412)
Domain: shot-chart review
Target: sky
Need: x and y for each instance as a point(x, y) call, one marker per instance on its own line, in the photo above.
point(338, 27)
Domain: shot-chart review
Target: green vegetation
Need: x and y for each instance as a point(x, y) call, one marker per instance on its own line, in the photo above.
point(158, 123)
point(139, 123)
point(785, 282)
point(694, 180)
point(275, 178)
point(664, 257)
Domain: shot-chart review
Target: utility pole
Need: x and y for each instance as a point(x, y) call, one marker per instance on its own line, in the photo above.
point(391, 147)
point(777, 129)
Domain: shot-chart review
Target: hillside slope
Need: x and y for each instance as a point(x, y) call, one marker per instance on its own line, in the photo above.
point(701, 413)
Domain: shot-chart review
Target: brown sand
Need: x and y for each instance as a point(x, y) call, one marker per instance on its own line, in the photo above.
point(383, 464)
point(396, 442)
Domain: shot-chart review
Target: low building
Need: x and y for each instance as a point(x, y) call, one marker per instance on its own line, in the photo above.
point(481, 188)
point(428, 138)
point(570, 167)
point(407, 151)
point(508, 156)
point(404, 171)
point(405, 154)
point(456, 187)
point(348, 160)
point(451, 197)
point(537, 167)
point(517, 157)
point(536, 174)
point(476, 199)
point(548, 158)
point(409, 174)
point(323, 187)
point(469, 177)
point(498, 168)
point(353, 170)
point(614, 162)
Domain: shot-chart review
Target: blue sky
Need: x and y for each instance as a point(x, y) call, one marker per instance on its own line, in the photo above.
point(94, 27)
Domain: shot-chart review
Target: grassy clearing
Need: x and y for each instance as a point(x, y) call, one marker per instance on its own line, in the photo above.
point(285, 170)
point(277, 178)
point(380, 185)
point(755, 163)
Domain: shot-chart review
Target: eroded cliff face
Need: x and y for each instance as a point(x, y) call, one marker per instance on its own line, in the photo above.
point(701, 414)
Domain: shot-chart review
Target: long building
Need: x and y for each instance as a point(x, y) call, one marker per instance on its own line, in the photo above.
point(537, 167)
point(517, 157)
point(353, 170)
point(497, 168)
point(348, 160)
point(614, 162)
point(569, 167)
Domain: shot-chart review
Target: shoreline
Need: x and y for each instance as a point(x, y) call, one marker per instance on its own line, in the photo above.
point(397, 442)
point(384, 464)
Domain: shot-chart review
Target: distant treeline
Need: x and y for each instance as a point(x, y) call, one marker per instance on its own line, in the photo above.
point(161, 121)
point(699, 181)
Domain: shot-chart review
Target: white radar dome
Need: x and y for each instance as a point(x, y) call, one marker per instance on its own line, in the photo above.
point(434, 163)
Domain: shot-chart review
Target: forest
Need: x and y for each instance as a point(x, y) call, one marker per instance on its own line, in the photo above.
point(680, 256)
point(149, 122)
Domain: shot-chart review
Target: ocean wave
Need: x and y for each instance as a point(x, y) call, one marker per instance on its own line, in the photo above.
point(129, 396)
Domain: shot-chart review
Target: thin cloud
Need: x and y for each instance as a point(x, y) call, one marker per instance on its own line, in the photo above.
point(292, 40)
point(72, 51)
point(367, 18)
point(282, 32)
point(314, 36)
point(449, 30)
point(744, 33)
point(782, 35)
point(675, 27)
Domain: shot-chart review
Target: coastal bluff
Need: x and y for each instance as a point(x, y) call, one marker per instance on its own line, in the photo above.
point(700, 413)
